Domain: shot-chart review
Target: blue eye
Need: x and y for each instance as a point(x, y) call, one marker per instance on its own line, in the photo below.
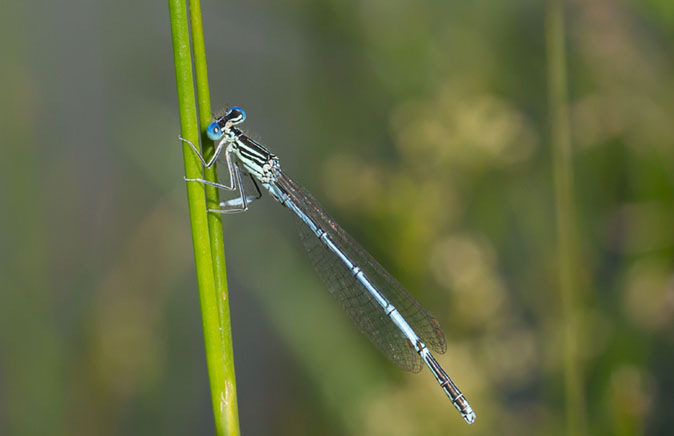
point(214, 131)
point(238, 115)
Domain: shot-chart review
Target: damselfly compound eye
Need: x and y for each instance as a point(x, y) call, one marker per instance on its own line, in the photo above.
point(214, 131)
point(236, 115)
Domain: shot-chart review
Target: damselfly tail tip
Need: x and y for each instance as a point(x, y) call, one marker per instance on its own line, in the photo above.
point(469, 415)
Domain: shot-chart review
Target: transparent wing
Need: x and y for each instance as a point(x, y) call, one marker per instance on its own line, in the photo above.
point(354, 298)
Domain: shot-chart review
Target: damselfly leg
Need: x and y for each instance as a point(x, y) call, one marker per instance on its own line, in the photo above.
point(234, 205)
point(240, 204)
point(218, 149)
point(228, 158)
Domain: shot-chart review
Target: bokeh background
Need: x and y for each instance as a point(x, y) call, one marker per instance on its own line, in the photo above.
point(423, 128)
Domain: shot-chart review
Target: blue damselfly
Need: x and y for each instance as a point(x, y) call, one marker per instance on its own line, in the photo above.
point(375, 301)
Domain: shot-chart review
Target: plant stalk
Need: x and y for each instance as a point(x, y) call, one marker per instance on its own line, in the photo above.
point(207, 237)
point(568, 268)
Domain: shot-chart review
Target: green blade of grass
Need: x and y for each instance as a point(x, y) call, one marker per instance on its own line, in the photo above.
point(214, 221)
point(568, 267)
point(207, 235)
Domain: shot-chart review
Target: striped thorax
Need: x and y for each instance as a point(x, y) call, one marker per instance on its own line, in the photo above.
point(255, 158)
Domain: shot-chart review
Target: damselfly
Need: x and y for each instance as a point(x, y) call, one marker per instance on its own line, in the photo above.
point(381, 308)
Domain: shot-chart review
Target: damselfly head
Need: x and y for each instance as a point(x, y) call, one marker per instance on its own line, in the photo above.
point(218, 128)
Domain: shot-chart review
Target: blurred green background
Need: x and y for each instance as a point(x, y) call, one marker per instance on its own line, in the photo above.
point(423, 127)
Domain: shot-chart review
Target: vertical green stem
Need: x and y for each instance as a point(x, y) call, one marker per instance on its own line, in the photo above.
point(231, 410)
point(565, 212)
point(206, 231)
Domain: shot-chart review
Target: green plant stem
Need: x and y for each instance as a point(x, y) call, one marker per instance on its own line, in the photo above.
point(565, 211)
point(231, 411)
point(208, 255)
